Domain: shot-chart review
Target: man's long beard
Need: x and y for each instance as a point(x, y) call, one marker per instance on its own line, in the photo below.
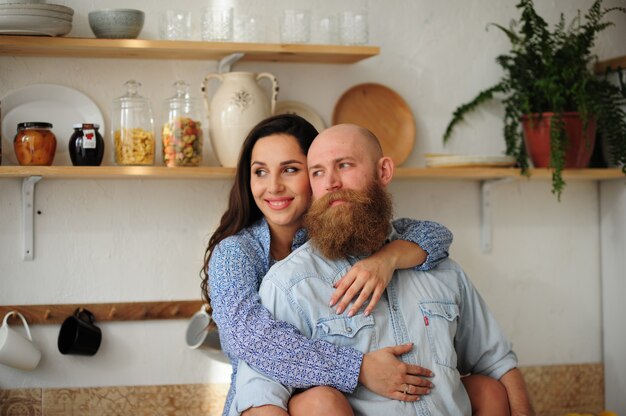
point(359, 226)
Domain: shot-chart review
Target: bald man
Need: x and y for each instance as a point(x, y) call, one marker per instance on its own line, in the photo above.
point(439, 311)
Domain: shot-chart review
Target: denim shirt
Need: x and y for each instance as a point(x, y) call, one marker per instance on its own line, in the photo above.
point(249, 332)
point(439, 311)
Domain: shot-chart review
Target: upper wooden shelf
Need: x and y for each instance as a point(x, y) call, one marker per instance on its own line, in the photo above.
point(188, 50)
point(209, 172)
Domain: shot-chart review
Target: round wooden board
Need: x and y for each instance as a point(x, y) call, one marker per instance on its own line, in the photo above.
point(384, 112)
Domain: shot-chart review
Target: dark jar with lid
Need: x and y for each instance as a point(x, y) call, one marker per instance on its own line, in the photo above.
point(35, 144)
point(86, 145)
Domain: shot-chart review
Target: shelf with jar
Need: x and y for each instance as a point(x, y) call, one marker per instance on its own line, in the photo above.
point(186, 50)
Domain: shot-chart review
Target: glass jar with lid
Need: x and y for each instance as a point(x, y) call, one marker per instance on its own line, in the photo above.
point(182, 131)
point(86, 145)
point(35, 144)
point(132, 128)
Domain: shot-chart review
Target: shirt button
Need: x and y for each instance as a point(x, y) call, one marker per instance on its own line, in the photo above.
point(348, 329)
point(395, 307)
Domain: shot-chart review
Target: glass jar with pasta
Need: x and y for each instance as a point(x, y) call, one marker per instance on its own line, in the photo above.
point(182, 130)
point(132, 128)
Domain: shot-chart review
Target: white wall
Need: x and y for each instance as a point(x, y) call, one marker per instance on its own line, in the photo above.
point(131, 240)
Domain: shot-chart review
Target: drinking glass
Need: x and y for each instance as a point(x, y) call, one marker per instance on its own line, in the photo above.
point(295, 26)
point(217, 24)
point(325, 30)
point(175, 25)
point(249, 28)
point(353, 28)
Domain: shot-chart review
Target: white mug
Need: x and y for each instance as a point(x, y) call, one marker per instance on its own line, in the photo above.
point(199, 335)
point(15, 350)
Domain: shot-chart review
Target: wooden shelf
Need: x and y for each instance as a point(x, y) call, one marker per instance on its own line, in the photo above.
point(187, 50)
point(208, 172)
point(476, 173)
point(601, 67)
point(117, 172)
point(129, 311)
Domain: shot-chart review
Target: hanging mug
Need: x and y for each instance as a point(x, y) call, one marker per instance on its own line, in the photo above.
point(200, 335)
point(79, 335)
point(238, 104)
point(15, 350)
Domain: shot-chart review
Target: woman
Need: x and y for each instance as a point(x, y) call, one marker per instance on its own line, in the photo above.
point(263, 225)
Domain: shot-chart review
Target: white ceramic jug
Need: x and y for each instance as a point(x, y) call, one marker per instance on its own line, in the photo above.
point(238, 104)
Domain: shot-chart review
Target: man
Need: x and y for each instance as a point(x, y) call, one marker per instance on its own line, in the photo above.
point(439, 311)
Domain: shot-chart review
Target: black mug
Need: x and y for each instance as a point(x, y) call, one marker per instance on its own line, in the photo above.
point(79, 335)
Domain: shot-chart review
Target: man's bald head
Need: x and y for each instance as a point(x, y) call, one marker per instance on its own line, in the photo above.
point(347, 156)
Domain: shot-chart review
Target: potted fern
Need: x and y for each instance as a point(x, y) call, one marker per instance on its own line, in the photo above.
point(547, 82)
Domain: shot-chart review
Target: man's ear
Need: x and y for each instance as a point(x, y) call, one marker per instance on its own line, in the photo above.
point(386, 168)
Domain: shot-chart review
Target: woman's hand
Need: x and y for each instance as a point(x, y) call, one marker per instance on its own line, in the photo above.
point(383, 373)
point(370, 276)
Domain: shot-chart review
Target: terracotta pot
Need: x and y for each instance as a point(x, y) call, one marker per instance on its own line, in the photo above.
point(580, 143)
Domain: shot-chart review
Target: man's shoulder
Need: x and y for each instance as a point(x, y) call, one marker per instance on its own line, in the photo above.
point(446, 271)
point(448, 264)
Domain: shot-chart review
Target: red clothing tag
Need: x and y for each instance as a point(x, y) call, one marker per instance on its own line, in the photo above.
point(426, 320)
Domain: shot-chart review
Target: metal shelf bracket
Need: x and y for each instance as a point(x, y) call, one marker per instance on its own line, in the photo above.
point(28, 214)
point(486, 234)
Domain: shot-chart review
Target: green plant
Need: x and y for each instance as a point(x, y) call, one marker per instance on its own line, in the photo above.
point(551, 71)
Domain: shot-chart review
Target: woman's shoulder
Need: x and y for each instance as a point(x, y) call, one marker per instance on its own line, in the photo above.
point(253, 240)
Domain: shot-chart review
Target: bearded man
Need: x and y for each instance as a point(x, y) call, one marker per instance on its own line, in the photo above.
point(438, 311)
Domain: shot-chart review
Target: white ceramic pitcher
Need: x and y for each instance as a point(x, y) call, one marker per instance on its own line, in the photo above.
point(238, 104)
point(15, 350)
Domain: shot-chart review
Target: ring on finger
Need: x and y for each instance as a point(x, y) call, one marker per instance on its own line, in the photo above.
point(406, 388)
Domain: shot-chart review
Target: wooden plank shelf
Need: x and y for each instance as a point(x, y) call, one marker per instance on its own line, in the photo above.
point(117, 172)
point(601, 67)
point(480, 174)
point(130, 311)
point(210, 172)
point(185, 50)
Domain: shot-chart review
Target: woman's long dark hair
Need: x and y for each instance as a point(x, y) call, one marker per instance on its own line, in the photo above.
point(242, 211)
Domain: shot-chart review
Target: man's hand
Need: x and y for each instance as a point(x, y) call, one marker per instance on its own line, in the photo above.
point(383, 373)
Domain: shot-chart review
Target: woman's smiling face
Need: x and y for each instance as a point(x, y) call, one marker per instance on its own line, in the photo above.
point(279, 181)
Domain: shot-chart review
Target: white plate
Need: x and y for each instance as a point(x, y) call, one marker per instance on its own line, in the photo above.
point(443, 160)
point(36, 14)
point(33, 6)
point(62, 106)
point(302, 110)
point(34, 25)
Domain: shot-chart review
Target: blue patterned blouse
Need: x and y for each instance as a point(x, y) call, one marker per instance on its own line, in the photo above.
point(247, 330)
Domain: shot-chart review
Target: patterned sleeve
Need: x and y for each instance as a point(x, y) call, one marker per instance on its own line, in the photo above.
point(431, 236)
point(248, 331)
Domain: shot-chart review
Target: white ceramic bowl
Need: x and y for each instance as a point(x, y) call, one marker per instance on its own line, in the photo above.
point(116, 23)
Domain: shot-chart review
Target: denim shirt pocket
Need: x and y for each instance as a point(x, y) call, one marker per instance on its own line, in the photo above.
point(356, 332)
point(440, 320)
